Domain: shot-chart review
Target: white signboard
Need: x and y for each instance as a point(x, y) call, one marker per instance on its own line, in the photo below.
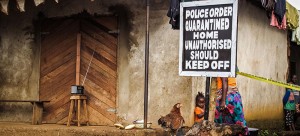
point(208, 31)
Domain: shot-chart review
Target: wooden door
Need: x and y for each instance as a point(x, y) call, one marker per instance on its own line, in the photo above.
point(98, 66)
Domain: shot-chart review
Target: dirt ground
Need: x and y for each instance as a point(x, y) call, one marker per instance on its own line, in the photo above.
point(26, 129)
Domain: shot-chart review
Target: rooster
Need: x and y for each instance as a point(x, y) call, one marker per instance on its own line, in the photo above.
point(173, 121)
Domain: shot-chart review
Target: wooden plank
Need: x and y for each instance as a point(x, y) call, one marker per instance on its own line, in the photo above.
point(96, 118)
point(98, 80)
point(100, 35)
point(108, 76)
point(102, 99)
point(63, 121)
point(60, 116)
point(86, 57)
point(57, 48)
point(57, 114)
point(56, 66)
point(50, 43)
point(99, 50)
point(58, 69)
point(53, 93)
point(57, 62)
point(57, 103)
point(65, 29)
point(101, 108)
point(99, 26)
point(108, 21)
point(94, 58)
point(49, 91)
point(37, 113)
point(59, 100)
point(100, 57)
point(50, 86)
point(58, 53)
point(70, 112)
point(96, 43)
point(90, 86)
point(78, 58)
point(68, 67)
point(94, 75)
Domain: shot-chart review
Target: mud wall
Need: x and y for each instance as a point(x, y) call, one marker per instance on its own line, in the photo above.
point(20, 60)
point(261, 50)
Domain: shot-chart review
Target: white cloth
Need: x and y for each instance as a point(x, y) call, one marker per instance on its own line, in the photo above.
point(296, 33)
point(296, 92)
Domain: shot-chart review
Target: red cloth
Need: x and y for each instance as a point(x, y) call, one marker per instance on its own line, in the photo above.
point(275, 23)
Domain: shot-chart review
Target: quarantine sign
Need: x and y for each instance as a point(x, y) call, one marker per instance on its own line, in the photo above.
point(208, 32)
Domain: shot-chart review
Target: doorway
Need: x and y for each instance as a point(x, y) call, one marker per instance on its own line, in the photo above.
point(98, 66)
point(294, 61)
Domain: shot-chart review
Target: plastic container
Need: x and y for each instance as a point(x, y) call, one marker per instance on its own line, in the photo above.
point(253, 131)
point(140, 124)
point(77, 89)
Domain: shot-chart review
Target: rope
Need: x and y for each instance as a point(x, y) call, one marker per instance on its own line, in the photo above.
point(88, 67)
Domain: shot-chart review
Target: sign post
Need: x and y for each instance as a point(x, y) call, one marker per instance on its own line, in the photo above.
point(208, 38)
point(208, 43)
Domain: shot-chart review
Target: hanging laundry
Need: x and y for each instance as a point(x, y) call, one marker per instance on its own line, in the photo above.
point(274, 22)
point(264, 3)
point(268, 4)
point(174, 13)
point(296, 33)
point(292, 17)
point(279, 10)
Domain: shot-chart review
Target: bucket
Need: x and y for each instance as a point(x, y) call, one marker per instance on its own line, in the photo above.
point(253, 131)
point(77, 89)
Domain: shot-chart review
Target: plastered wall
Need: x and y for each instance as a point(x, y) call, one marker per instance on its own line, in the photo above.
point(261, 50)
point(20, 62)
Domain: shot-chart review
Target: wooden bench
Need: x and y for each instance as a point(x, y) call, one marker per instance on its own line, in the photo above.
point(37, 113)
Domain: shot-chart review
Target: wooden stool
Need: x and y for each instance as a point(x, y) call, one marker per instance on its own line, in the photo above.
point(76, 100)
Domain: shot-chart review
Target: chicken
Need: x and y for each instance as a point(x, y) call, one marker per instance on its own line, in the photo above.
point(173, 121)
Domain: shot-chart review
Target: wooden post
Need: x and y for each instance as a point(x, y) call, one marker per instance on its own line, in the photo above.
point(70, 112)
point(146, 67)
point(78, 58)
point(78, 111)
point(213, 96)
point(37, 113)
point(207, 92)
